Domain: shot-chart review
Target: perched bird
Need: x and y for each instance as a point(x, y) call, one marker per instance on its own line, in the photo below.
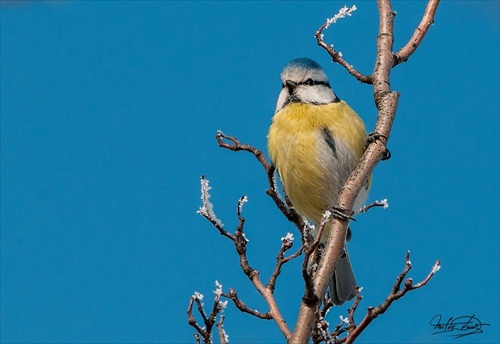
point(315, 141)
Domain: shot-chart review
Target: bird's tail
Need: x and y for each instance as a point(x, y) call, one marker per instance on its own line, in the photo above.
point(343, 283)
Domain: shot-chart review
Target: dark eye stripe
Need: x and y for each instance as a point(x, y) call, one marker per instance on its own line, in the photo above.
point(311, 82)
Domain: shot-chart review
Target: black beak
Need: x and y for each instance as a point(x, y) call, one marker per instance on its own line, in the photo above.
point(291, 85)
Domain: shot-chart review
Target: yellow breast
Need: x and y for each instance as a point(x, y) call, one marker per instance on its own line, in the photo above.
point(311, 170)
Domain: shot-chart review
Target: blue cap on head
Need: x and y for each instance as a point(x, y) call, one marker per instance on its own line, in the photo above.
point(303, 62)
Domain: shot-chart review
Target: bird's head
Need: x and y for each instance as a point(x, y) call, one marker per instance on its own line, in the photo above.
point(304, 81)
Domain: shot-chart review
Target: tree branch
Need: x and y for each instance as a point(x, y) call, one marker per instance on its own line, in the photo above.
point(336, 55)
point(280, 260)
point(396, 294)
point(206, 331)
point(192, 320)
point(233, 296)
point(418, 36)
point(272, 191)
point(386, 103)
point(240, 243)
point(223, 337)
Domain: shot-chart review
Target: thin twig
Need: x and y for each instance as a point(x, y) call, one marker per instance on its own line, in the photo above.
point(280, 260)
point(272, 191)
point(311, 258)
point(418, 36)
point(352, 310)
point(240, 243)
point(337, 57)
point(193, 323)
point(383, 203)
point(223, 338)
point(233, 296)
point(395, 294)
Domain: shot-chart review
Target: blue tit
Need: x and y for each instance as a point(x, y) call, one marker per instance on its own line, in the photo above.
point(315, 141)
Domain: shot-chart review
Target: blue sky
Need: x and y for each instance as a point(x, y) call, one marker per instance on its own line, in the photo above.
point(108, 115)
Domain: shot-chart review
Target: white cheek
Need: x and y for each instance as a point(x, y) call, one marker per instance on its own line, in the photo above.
point(281, 99)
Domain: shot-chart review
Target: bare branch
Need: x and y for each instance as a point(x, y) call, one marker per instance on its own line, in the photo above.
point(396, 294)
point(280, 260)
point(336, 55)
point(193, 323)
point(223, 337)
point(311, 259)
point(383, 203)
point(233, 296)
point(418, 36)
point(327, 305)
point(352, 310)
point(207, 211)
point(272, 191)
point(201, 310)
point(238, 146)
point(240, 243)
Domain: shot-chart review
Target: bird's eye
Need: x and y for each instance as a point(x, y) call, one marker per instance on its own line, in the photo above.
point(309, 82)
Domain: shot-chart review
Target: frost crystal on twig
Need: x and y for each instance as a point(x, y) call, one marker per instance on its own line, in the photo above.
point(383, 203)
point(326, 216)
point(197, 296)
point(343, 12)
point(218, 289)
point(287, 237)
point(322, 326)
point(245, 237)
point(436, 268)
point(307, 229)
point(207, 209)
point(222, 305)
point(242, 201)
point(224, 333)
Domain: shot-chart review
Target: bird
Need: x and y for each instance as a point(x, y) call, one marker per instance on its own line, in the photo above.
point(314, 142)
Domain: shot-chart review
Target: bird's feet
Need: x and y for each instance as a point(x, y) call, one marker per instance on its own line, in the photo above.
point(342, 213)
point(372, 137)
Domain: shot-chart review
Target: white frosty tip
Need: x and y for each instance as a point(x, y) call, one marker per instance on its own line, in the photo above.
point(222, 305)
point(287, 237)
point(245, 237)
point(385, 203)
point(326, 215)
point(218, 289)
point(226, 336)
point(197, 296)
point(207, 209)
point(242, 201)
point(436, 269)
point(343, 12)
point(344, 320)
